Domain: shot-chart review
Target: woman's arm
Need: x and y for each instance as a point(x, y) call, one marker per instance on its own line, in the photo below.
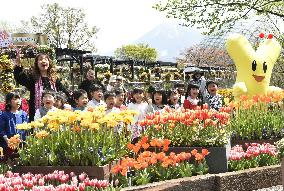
point(22, 78)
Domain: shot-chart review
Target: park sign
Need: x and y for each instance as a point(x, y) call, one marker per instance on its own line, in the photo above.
point(21, 39)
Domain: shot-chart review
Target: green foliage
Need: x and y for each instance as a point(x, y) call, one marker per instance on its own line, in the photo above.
point(278, 70)
point(137, 52)
point(65, 27)
point(4, 168)
point(280, 147)
point(269, 123)
point(212, 15)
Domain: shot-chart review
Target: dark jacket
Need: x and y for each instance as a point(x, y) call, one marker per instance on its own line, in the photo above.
point(8, 122)
point(28, 81)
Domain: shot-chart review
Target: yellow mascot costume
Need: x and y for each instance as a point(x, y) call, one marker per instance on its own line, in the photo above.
point(254, 68)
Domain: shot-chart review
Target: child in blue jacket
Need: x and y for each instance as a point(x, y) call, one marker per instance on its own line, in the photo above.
point(12, 116)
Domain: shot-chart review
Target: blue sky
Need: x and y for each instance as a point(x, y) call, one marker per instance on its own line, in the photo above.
point(120, 21)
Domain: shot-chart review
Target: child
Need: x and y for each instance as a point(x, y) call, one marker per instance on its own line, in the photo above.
point(159, 101)
point(180, 89)
point(140, 106)
point(173, 97)
point(110, 100)
point(96, 92)
point(120, 99)
point(60, 102)
point(192, 100)
point(48, 104)
point(12, 116)
point(81, 100)
point(214, 100)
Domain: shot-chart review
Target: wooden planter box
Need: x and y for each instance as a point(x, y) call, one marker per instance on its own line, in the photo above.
point(217, 160)
point(99, 172)
point(243, 142)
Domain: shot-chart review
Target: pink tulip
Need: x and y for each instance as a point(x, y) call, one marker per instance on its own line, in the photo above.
point(64, 178)
point(72, 174)
point(41, 182)
point(82, 186)
point(82, 177)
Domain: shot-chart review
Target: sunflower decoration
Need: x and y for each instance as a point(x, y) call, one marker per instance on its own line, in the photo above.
point(6, 74)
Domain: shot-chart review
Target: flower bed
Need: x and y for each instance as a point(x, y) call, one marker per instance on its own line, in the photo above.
point(254, 155)
point(145, 166)
point(217, 161)
point(259, 118)
point(56, 181)
point(76, 138)
point(64, 138)
point(189, 128)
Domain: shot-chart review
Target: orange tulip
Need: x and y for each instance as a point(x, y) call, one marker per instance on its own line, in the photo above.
point(144, 165)
point(244, 97)
point(153, 142)
point(145, 146)
point(204, 152)
point(166, 148)
point(194, 152)
point(136, 149)
point(116, 169)
point(160, 156)
point(159, 143)
point(137, 166)
point(153, 161)
point(199, 157)
point(124, 172)
point(167, 142)
point(187, 156)
point(144, 139)
point(130, 146)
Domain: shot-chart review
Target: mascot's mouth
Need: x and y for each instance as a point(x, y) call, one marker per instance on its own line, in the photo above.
point(258, 78)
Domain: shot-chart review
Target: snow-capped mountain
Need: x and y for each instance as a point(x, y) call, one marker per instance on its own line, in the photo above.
point(170, 39)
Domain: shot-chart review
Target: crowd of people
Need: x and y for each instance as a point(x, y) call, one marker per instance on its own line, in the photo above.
point(48, 94)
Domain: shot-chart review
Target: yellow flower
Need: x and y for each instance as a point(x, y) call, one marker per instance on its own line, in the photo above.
point(94, 126)
point(128, 120)
point(111, 123)
point(53, 126)
point(23, 126)
point(41, 134)
point(226, 100)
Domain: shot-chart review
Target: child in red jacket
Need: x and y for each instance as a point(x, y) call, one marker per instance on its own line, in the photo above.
point(192, 100)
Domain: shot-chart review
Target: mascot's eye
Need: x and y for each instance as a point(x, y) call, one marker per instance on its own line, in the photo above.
point(264, 67)
point(253, 66)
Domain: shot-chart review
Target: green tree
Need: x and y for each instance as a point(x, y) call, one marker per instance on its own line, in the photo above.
point(22, 27)
point(65, 27)
point(215, 15)
point(137, 52)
